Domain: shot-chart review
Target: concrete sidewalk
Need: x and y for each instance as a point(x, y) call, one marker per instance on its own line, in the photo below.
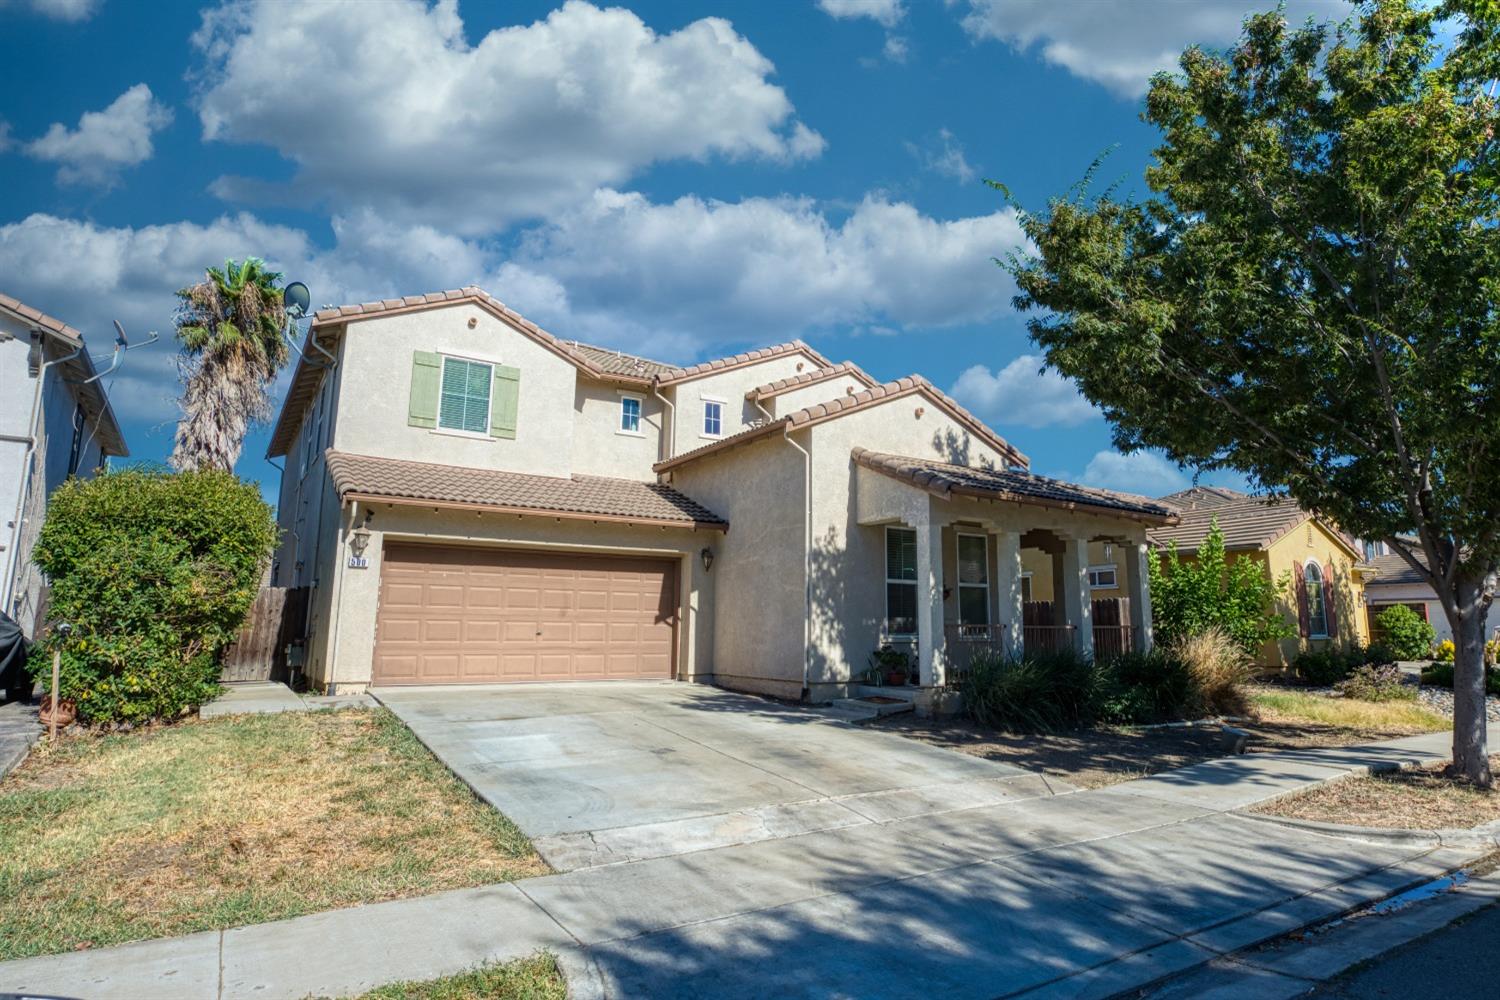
point(1075, 895)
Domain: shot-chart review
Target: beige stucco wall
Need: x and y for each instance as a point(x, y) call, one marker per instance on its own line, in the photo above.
point(759, 567)
point(376, 386)
point(729, 386)
point(354, 594)
point(818, 392)
point(600, 448)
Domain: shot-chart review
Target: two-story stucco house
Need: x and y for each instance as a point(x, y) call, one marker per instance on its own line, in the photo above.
point(474, 500)
point(55, 422)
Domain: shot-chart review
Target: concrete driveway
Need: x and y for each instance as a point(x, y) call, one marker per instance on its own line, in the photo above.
point(600, 773)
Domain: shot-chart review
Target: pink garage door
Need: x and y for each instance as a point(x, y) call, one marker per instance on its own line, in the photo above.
point(454, 615)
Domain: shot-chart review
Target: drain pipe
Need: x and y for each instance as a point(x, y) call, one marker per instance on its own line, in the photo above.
point(671, 416)
point(13, 552)
point(786, 432)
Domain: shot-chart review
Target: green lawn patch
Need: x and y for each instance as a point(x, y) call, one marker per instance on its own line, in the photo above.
point(209, 824)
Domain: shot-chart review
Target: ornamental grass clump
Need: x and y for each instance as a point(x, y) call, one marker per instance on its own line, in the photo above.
point(155, 571)
point(1217, 668)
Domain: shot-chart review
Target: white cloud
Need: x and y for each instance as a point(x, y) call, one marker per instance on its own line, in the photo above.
point(887, 13)
point(1023, 393)
point(388, 105)
point(1144, 472)
point(62, 10)
point(945, 157)
point(895, 48)
point(692, 274)
point(1121, 43)
point(105, 142)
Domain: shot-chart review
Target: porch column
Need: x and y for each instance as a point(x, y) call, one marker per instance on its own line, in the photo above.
point(1008, 587)
point(1138, 578)
point(1073, 582)
point(930, 603)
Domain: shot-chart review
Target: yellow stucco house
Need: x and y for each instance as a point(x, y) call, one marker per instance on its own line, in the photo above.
point(1325, 566)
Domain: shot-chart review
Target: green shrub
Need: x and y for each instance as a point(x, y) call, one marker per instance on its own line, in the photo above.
point(1322, 667)
point(1441, 675)
point(1034, 693)
point(1145, 688)
point(1407, 635)
point(155, 571)
point(1212, 591)
point(1377, 682)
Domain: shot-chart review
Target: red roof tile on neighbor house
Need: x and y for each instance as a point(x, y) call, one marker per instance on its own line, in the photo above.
point(579, 497)
point(740, 360)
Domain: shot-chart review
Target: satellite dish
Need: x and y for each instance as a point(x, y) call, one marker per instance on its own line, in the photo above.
point(296, 298)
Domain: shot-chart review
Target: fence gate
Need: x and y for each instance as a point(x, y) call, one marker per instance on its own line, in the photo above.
point(259, 652)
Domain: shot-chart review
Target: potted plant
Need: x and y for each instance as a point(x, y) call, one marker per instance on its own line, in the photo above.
point(889, 666)
point(67, 711)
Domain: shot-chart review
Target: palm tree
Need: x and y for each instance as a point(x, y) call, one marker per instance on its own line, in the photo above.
point(230, 326)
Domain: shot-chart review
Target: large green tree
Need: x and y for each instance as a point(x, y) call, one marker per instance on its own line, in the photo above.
point(230, 327)
point(1307, 295)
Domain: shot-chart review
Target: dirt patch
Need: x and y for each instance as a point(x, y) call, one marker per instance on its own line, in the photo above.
point(220, 823)
point(1419, 798)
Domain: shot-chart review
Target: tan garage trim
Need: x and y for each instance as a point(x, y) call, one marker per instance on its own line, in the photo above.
point(453, 614)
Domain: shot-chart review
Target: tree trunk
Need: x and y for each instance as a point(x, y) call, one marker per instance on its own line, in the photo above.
point(1470, 751)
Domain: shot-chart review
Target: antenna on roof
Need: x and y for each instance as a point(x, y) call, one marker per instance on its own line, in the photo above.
point(122, 344)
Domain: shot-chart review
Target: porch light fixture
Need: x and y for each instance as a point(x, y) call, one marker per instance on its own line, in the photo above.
point(358, 541)
point(707, 555)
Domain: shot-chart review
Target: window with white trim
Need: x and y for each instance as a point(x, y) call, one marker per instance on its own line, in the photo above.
point(1103, 577)
point(713, 418)
point(973, 580)
point(630, 415)
point(1317, 611)
point(900, 581)
point(464, 400)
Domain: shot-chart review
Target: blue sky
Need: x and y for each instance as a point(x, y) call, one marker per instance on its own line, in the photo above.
point(679, 180)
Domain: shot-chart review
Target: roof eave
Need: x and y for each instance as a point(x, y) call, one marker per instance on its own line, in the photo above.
point(566, 515)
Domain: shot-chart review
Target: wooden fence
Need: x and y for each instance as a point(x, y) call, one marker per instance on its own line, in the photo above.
point(259, 653)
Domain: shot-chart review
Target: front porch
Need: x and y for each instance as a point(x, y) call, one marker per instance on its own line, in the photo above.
point(993, 570)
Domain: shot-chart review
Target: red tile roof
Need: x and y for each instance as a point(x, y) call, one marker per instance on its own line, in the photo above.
point(782, 385)
point(741, 360)
point(582, 497)
point(830, 409)
point(1013, 485)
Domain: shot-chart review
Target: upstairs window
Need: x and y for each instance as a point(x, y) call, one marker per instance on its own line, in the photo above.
point(464, 404)
point(630, 415)
point(713, 418)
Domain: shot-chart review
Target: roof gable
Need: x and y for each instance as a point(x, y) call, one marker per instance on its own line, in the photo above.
point(678, 375)
point(1247, 523)
point(842, 405)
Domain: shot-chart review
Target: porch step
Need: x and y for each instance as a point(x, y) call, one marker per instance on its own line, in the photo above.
point(871, 691)
point(873, 707)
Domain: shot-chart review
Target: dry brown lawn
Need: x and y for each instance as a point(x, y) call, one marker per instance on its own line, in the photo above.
point(1419, 798)
point(220, 823)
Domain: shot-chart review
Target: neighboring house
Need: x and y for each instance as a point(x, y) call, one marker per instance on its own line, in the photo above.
point(473, 500)
point(1393, 581)
point(54, 423)
point(1325, 566)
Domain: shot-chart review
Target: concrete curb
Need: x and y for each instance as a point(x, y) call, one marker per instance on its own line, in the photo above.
point(1483, 836)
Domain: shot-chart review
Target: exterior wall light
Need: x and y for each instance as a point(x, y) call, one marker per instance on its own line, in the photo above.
point(358, 541)
point(707, 555)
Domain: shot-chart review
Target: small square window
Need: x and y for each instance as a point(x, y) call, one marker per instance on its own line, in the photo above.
point(1103, 578)
point(465, 397)
point(630, 415)
point(713, 418)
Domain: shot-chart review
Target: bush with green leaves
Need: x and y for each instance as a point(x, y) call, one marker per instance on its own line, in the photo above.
point(1377, 682)
point(1329, 667)
point(1441, 675)
point(1191, 596)
point(155, 571)
point(1405, 632)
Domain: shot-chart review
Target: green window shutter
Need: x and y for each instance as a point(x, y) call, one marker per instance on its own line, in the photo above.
point(504, 401)
point(426, 372)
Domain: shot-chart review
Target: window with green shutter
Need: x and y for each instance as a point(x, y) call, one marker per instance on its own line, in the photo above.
point(464, 402)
